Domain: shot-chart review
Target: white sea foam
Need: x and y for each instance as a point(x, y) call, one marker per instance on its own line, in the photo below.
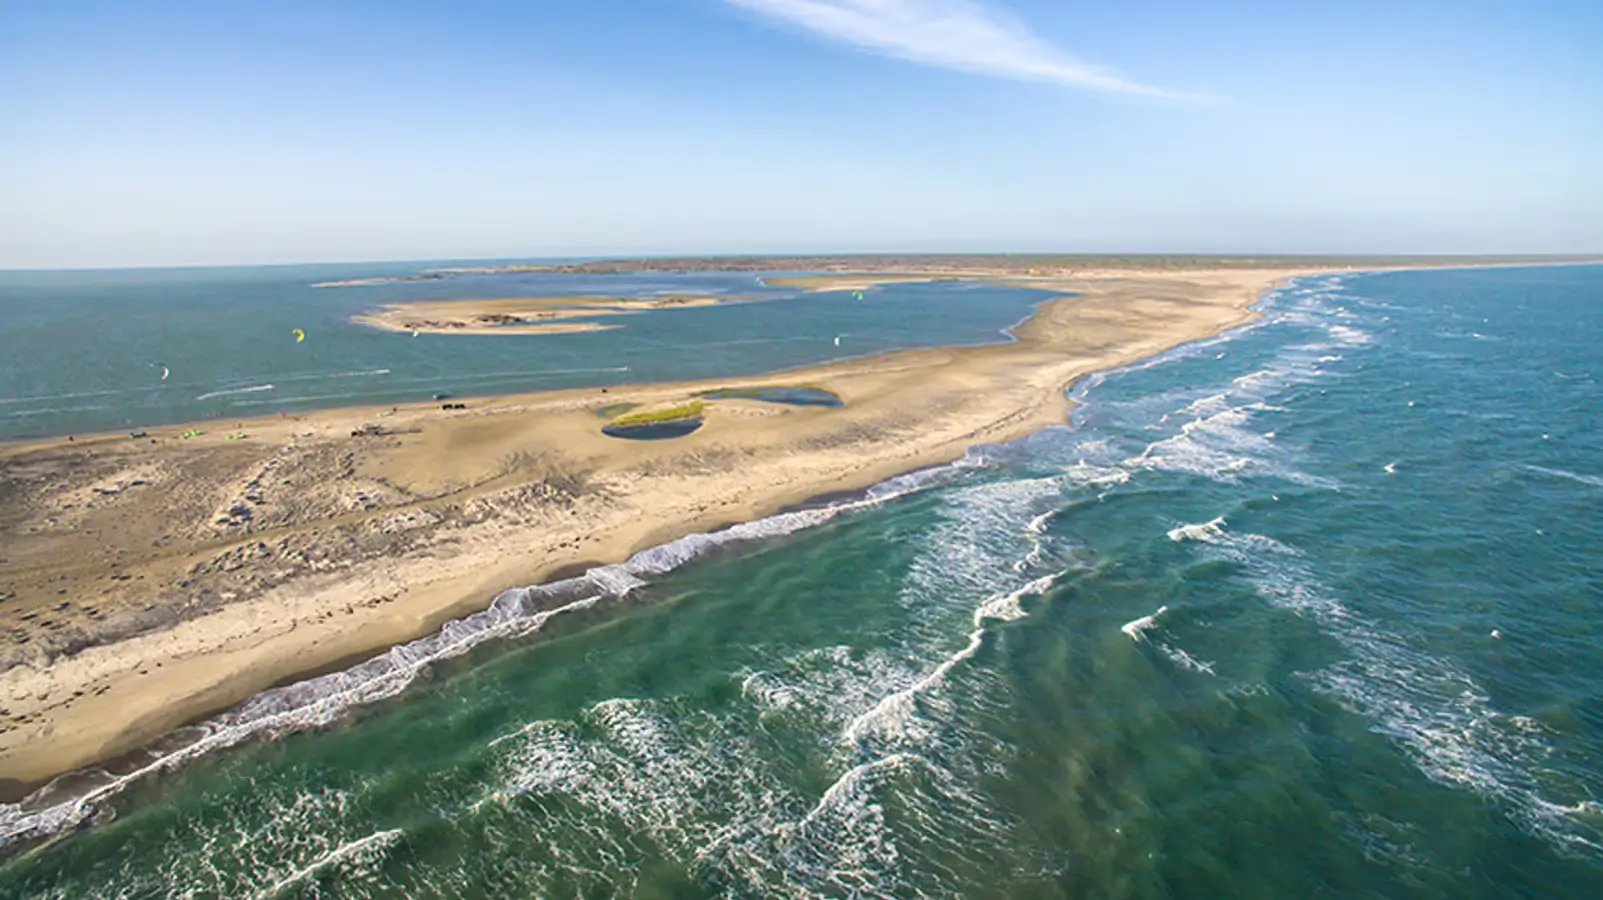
point(636, 769)
point(1216, 441)
point(229, 392)
point(1592, 480)
point(1210, 404)
point(890, 716)
point(1006, 608)
point(366, 848)
point(1211, 532)
point(324, 376)
point(1096, 476)
point(1350, 336)
point(1185, 660)
point(1137, 628)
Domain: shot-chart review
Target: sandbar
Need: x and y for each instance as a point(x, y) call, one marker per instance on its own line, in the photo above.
point(521, 315)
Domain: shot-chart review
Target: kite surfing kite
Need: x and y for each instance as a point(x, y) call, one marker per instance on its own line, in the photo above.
point(857, 294)
point(299, 334)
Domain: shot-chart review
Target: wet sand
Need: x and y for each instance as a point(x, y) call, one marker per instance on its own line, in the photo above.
point(147, 583)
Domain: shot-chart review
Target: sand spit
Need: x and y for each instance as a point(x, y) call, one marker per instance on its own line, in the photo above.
point(521, 315)
point(147, 583)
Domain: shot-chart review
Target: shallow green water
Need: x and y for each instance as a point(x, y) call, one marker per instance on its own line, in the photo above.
point(1229, 635)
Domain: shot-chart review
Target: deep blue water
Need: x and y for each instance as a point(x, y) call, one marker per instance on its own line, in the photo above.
point(84, 351)
point(1310, 610)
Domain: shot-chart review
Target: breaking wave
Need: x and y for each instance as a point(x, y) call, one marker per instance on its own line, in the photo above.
point(1136, 629)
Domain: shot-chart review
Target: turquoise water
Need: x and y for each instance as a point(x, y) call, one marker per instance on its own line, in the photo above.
point(85, 351)
point(1231, 634)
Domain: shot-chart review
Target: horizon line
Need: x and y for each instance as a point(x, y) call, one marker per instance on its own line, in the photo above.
point(1586, 257)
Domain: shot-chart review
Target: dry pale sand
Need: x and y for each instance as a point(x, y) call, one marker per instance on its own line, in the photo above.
point(522, 315)
point(146, 583)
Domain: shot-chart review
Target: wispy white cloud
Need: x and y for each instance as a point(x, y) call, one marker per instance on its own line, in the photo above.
point(966, 35)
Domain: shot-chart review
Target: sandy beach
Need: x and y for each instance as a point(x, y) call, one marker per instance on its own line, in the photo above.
point(148, 582)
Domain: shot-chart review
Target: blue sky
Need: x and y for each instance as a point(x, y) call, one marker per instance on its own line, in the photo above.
point(169, 133)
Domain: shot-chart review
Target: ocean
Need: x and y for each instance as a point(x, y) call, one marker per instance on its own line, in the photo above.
point(1314, 608)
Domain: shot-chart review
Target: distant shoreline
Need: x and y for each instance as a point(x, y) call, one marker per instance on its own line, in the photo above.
point(1048, 265)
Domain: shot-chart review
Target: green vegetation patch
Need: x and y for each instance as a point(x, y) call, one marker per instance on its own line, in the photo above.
point(692, 410)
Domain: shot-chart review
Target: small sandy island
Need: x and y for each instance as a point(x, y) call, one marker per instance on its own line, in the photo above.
point(146, 583)
point(522, 315)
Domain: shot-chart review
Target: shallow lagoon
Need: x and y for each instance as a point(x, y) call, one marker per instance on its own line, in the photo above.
point(85, 351)
point(789, 396)
point(654, 431)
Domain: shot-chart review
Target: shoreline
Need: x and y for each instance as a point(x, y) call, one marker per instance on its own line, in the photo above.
point(625, 499)
point(1054, 265)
